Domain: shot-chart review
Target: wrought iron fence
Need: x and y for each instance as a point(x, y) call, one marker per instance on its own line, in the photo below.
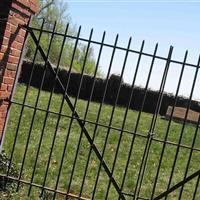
point(65, 147)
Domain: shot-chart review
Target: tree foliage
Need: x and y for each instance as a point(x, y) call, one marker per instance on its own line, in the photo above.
point(57, 11)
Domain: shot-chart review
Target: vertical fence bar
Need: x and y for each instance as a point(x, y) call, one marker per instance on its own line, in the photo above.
point(81, 134)
point(69, 128)
point(196, 131)
point(112, 115)
point(196, 188)
point(24, 100)
point(181, 135)
point(118, 92)
point(161, 90)
point(35, 110)
point(155, 115)
point(109, 127)
point(77, 117)
point(75, 103)
point(86, 112)
point(133, 138)
point(14, 87)
point(61, 107)
point(47, 113)
point(169, 124)
point(101, 104)
point(140, 112)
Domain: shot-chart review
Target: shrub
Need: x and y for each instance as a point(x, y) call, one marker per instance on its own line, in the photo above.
point(73, 80)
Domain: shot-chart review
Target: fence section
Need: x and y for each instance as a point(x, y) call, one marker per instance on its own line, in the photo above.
point(67, 147)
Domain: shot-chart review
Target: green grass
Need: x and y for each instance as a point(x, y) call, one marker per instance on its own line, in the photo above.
point(113, 138)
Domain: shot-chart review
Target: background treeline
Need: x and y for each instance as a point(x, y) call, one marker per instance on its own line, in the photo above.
point(55, 13)
point(113, 85)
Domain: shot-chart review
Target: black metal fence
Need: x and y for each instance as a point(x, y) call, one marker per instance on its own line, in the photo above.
point(125, 90)
point(64, 147)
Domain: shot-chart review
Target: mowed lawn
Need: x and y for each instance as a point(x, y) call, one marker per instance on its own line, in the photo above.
point(114, 134)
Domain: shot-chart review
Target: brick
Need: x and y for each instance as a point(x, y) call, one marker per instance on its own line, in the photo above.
point(20, 39)
point(9, 73)
point(26, 20)
point(3, 48)
point(5, 41)
point(15, 21)
point(4, 94)
point(22, 32)
point(7, 34)
point(2, 115)
point(14, 44)
point(24, 2)
point(9, 88)
point(8, 28)
point(34, 7)
point(12, 67)
point(5, 103)
point(15, 53)
point(3, 108)
point(18, 16)
point(3, 87)
point(13, 59)
point(8, 80)
point(16, 6)
point(27, 12)
point(13, 28)
point(12, 39)
point(30, 5)
point(1, 121)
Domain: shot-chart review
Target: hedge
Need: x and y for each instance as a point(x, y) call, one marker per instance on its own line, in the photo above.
point(100, 84)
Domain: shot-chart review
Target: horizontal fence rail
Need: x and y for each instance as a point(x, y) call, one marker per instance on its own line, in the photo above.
point(117, 47)
point(64, 146)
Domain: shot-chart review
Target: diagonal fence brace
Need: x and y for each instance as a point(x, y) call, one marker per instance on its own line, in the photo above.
point(81, 124)
point(181, 183)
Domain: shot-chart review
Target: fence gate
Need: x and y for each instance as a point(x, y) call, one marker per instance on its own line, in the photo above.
point(92, 145)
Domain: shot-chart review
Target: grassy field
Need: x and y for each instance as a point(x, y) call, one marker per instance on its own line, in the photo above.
point(136, 157)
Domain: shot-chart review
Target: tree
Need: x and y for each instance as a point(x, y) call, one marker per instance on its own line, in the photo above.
point(52, 11)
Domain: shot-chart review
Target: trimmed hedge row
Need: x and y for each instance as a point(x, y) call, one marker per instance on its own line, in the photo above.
point(112, 89)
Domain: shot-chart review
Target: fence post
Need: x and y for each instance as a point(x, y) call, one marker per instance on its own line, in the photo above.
point(12, 14)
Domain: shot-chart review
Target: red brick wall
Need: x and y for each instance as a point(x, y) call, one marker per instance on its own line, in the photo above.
point(12, 14)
